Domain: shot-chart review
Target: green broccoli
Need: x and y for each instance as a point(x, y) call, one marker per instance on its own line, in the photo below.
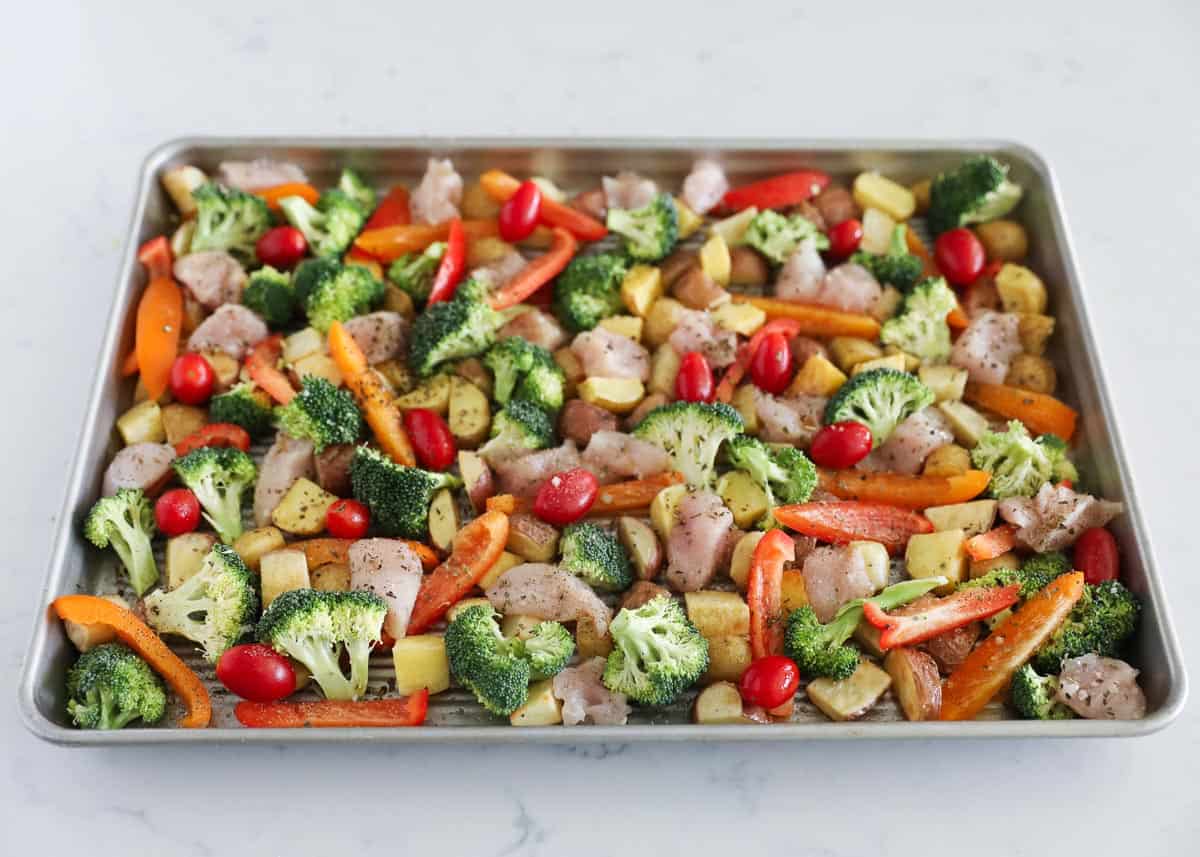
point(784, 473)
point(897, 267)
point(340, 294)
point(975, 191)
point(243, 405)
point(322, 413)
point(125, 523)
point(1033, 696)
point(310, 274)
point(777, 236)
point(520, 425)
point(657, 652)
point(1056, 450)
point(315, 628)
point(110, 686)
point(1019, 465)
point(880, 399)
point(547, 649)
point(648, 233)
point(921, 329)
point(589, 290)
point(352, 185)
point(215, 607)
point(1104, 617)
point(269, 293)
point(526, 371)
point(486, 662)
point(330, 226)
point(229, 219)
point(593, 553)
point(691, 433)
point(397, 496)
point(219, 477)
point(1033, 574)
point(413, 273)
point(464, 326)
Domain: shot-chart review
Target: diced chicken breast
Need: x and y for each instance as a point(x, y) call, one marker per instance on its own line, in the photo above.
point(232, 329)
point(585, 699)
point(704, 186)
point(258, 174)
point(390, 569)
point(628, 190)
point(523, 475)
point(1101, 689)
point(794, 419)
point(547, 592)
point(580, 420)
point(212, 277)
point(605, 354)
point(802, 275)
point(333, 468)
point(537, 327)
point(1057, 516)
point(497, 273)
point(833, 576)
point(850, 288)
point(286, 461)
point(696, 541)
point(612, 455)
point(140, 465)
point(987, 346)
point(381, 335)
point(911, 443)
point(437, 196)
point(696, 331)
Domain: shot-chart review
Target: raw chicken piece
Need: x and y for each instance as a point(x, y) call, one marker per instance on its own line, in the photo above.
point(390, 569)
point(911, 443)
point(694, 547)
point(987, 346)
point(612, 455)
point(213, 277)
point(802, 275)
point(850, 288)
point(833, 576)
point(141, 465)
point(258, 174)
point(628, 190)
point(437, 196)
point(537, 327)
point(1056, 516)
point(545, 591)
point(232, 329)
point(286, 461)
point(333, 468)
point(523, 475)
point(696, 331)
point(580, 420)
point(585, 699)
point(497, 273)
point(794, 419)
point(605, 354)
point(704, 186)
point(381, 335)
point(1101, 689)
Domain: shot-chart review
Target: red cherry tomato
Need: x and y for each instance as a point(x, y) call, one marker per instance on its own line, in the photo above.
point(1096, 556)
point(519, 215)
point(841, 445)
point(960, 256)
point(694, 382)
point(845, 238)
point(771, 365)
point(566, 497)
point(431, 438)
point(177, 512)
point(256, 672)
point(281, 247)
point(347, 519)
point(192, 379)
point(770, 681)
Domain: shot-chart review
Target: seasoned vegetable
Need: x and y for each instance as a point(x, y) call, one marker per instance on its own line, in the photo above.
point(125, 523)
point(243, 405)
point(880, 399)
point(589, 290)
point(897, 267)
point(219, 477)
point(976, 191)
point(228, 219)
point(593, 553)
point(657, 653)
point(691, 433)
point(322, 413)
point(397, 496)
point(777, 236)
point(648, 233)
point(109, 687)
point(921, 329)
point(464, 326)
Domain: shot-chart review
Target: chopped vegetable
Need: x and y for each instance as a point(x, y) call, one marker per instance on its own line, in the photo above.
point(900, 489)
point(657, 652)
point(110, 686)
point(777, 192)
point(976, 191)
point(815, 320)
point(945, 615)
point(691, 433)
point(880, 399)
point(125, 523)
point(405, 711)
point(842, 523)
point(476, 549)
point(764, 593)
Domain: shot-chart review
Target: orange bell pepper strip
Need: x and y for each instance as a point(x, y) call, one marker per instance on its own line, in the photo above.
point(156, 341)
point(273, 194)
point(379, 409)
point(1041, 414)
point(504, 503)
point(624, 497)
point(917, 248)
point(335, 713)
point(499, 185)
point(957, 319)
point(91, 610)
point(393, 210)
point(476, 548)
point(538, 272)
point(261, 364)
point(764, 592)
point(389, 243)
point(899, 489)
point(851, 521)
point(815, 320)
point(322, 551)
point(993, 543)
point(789, 327)
point(990, 666)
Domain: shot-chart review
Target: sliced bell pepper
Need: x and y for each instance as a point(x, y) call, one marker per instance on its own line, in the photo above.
point(901, 489)
point(215, 434)
point(155, 256)
point(993, 543)
point(840, 523)
point(158, 327)
point(815, 320)
point(272, 195)
point(393, 210)
point(476, 548)
point(945, 614)
point(917, 248)
point(500, 186)
point(454, 263)
point(764, 592)
point(505, 503)
point(334, 713)
point(625, 497)
point(789, 327)
point(1042, 414)
point(777, 191)
point(379, 408)
point(538, 272)
point(261, 364)
point(389, 243)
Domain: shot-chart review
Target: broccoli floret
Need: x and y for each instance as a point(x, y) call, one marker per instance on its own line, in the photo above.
point(340, 294)
point(464, 326)
point(316, 627)
point(593, 553)
point(1033, 574)
point(215, 607)
point(648, 233)
point(777, 236)
point(243, 405)
point(352, 185)
point(547, 649)
point(976, 191)
point(330, 226)
point(110, 686)
point(520, 425)
point(125, 523)
point(897, 267)
point(589, 290)
point(397, 496)
point(1103, 618)
point(229, 219)
point(1033, 696)
point(657, 652)
point(322, 413)
point(310, 274)
point(219, 477)
point(1019, 465)
point(784, 473)
point(413, 273)
point(821, 650)
point(487, 663)
point(920, 328)
point(880, 399)
point(269, 293)
point(1056, 450)
point(691, 433)
point(526, 371)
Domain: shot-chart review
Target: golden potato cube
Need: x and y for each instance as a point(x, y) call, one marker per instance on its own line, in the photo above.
point(225, 369)
point(1003, 240)
point(871, 190)
point(302, 509)
point(947, 382)
point(889, 303)
point(252, 544)
point(303, 342)
point(434, 394)
point(532, 538)
point(981, 567)
point(443, 520)
point(396, 299)
point(938, 554)
point(877, 231)
point(318, 366)
point(399, 377)
point(466, 604)
point(948, 460)
point(911, 361)
point(664, 367)
point(589, 643)
point(624, 325)
point(506, 560)
point(742, 319)
point(518, 625)
point(850, 698)
point(795, 595)
point(967, 423)
point(478, 204)
point(1032, 373)
point(421, 662)
point(890, 361)
point(739, 563)
point(661, 320)
point(743, 497)
point(717, 614)
point(1021, 290)
point(541, 708)
point(1035, 331)
point(484, 251)
point(728, 658)
point(849, 351)
point(179, 421)
point(745, 401)
point(733, 228)
point(689, 221)
point(715, 260)
point(282, 571)
point(920, 192)
point(179, 182)
point(875, 561)
point(663, 509)
point(331, 577)
point(718, 704)
point(470, 413)
point(185, 555)
point(817, 377)
point(972, 518)
point(641, 287)
point(617, 395)
point(142, 424)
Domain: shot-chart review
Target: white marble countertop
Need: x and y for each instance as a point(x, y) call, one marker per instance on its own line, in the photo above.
point(1108, 98)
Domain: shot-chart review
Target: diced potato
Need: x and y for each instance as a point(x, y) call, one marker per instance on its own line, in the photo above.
point(618, 395)
point(981, 567)
point(641, 287)
point(252, 544)
point(420, 662)
point(331, 577)
point(748, 267)
point(877, 231)
point(1003, 240)
point(433, 394)
point(507, 560)
point(542, 707)
point(745, 402)
point(572, 370)
point(717, 614)
point(817, 377)
point(443, 519)
point(225, 369)
point(867, 637)
point(849, 698)
point(518, 625)
point(663, 509)
point(719, 703)
point(967, 423)
point(875, 561)
point(472, 369)
point(181, 420)
point(470, 413)
point(282, 571)
point(743, 497)
point(142, 424)
point(743, 319)
point(642, 546)
point(948, 460)
point(938, 554)
point(972, 518)
point(1035, 331)
point(733, 228)
point(589, 643)
point(1030, 373)
point(318, 366)
point(396, 299)
point(185, 555)
point(739, 563)
point(661, 319)
point(664, 367)
point(478, 204)
point(302, 509)
point(795, 595)
point(532, 538)
point(624, 325)
point(715, 260)
point(920, 192)
point(890, 300)
point(86, 636)
point(689, 220)
point(916, 683)
point(466, 604)
point(477, 479)
point(871, 190)
point(484, 251)
point(911, 361)
point(947, 382)
point(179, 182)
point(848, 351)
point(303, 342)
point(1021, 290)
point(890, 361)
point(728, 658)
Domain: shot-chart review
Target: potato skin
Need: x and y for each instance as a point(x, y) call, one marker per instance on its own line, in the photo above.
point(916, 683)
point(1003, 240)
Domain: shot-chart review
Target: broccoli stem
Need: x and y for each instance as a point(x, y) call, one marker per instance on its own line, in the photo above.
point(322, 662)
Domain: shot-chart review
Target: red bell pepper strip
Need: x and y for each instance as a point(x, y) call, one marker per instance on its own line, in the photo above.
point(215, 434)
point(393, 210)
point(764, 592)
point(454, 263)
point(843, 522)
point(262, 369)
point(476, 548)
point(737, 370)
point(778, 191)
point(537, 273)
point(155, 257)
point(500, 186)
point(334, 713)
point(945, 614)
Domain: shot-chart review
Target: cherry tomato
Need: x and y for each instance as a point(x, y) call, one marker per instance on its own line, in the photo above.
point(770, 681)
point(177, 512)
point(841, 445)
point(566, 497)
point(431, 438)
point(845, 238)
point(281, 247)
point(256, 672)
point(1096, 556)
point(347, 519)
point(519, 215)
point(192, 379)
point(771, 365)
point(694, 383)
point(960, 256)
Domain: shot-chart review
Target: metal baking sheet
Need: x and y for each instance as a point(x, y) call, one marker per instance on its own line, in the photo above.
point(454, 716)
